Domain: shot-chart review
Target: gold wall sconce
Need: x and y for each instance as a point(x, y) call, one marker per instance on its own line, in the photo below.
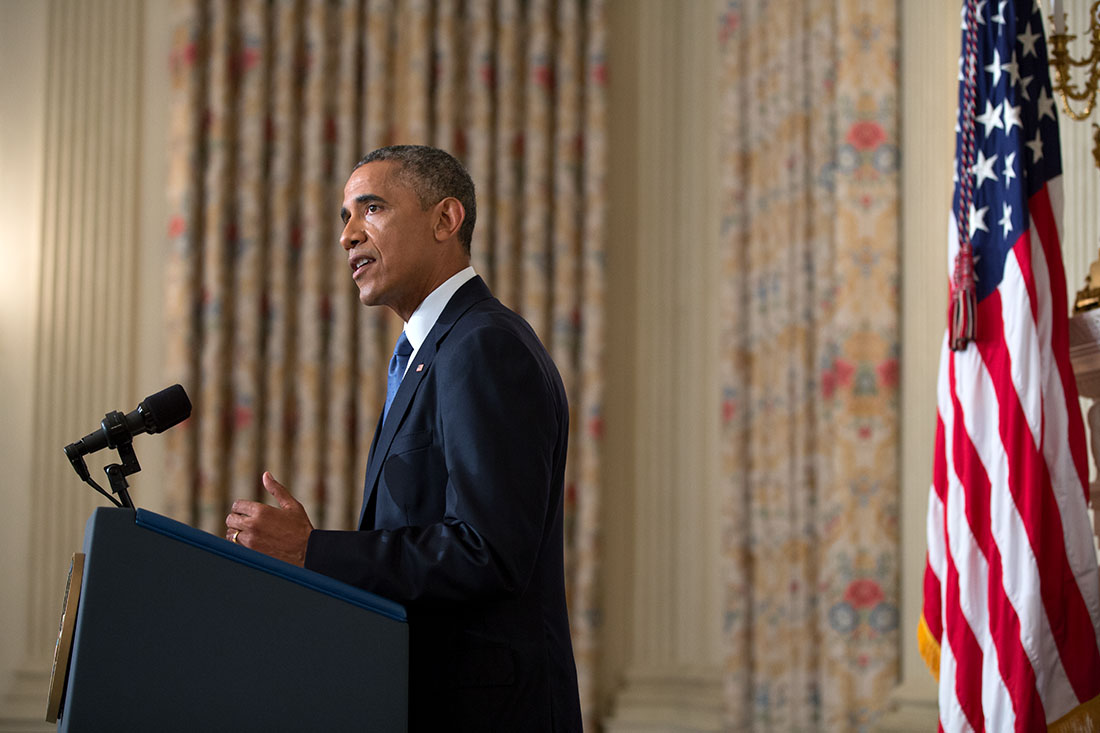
point(1063, 64)
point(1072, 94)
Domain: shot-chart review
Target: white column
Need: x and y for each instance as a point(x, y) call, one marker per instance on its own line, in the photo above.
point(87, 311)
point(668, 234)
point(930, 49)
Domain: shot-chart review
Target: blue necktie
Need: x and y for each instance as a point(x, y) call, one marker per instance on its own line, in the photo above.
point(402, 350)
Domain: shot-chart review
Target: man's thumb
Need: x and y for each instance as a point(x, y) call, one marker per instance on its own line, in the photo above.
point(277, 490)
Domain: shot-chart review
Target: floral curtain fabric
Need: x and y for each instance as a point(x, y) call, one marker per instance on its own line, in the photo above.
point(810, 308)
point(275, 101)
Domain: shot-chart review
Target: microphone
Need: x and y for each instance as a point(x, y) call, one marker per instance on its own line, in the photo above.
point(155, 414)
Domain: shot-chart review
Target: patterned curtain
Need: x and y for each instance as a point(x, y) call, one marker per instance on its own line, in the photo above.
point(275, 101)
point(810, 312)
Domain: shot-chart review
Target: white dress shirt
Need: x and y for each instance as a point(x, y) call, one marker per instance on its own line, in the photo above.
point(427, 313)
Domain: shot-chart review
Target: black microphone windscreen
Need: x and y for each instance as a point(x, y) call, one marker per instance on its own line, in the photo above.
point(165, 409)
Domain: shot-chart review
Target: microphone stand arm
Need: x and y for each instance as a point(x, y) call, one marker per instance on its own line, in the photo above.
point(119, 438)
point(117, 473)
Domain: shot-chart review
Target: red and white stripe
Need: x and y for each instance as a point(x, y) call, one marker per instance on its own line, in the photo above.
point(1012, 592)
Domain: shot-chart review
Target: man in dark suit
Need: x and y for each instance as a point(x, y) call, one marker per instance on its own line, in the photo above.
point(462, 506)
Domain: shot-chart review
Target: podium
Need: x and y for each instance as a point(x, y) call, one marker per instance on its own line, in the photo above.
point(178, 630)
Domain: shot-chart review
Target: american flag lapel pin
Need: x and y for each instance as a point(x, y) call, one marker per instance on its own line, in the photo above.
point(419, 367)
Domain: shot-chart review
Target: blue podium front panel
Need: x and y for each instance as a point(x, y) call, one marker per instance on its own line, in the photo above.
point(178, 630)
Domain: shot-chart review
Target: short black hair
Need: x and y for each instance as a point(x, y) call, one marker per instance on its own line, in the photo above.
point(433, 175)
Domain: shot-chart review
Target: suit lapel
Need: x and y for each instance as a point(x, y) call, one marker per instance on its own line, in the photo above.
point(471, 292)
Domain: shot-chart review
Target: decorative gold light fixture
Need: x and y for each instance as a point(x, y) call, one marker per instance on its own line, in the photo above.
point(1063, 63)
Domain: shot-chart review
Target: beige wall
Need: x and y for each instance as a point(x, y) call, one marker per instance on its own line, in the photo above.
point(662, 184)
point(26, 187)
point(662, 589)
point(22, 39)
point(929, 67)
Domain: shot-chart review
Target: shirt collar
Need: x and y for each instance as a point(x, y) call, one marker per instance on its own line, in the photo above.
point(427, 313)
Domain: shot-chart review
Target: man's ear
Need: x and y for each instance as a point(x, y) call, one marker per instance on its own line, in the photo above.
point(448, 218)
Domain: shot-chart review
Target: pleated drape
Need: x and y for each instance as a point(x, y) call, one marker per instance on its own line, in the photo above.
point(810, 313)
point(275, 100)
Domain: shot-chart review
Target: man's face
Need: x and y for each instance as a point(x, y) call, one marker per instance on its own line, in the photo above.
point(389, 239)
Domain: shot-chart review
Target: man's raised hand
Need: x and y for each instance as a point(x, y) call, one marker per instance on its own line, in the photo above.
point(281, 532)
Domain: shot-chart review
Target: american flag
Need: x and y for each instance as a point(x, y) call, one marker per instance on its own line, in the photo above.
point(1011, 617)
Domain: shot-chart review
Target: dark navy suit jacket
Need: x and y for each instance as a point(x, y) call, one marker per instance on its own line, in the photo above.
point(462, 523)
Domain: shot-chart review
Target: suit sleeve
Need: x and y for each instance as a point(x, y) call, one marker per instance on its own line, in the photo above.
point(503, 418)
